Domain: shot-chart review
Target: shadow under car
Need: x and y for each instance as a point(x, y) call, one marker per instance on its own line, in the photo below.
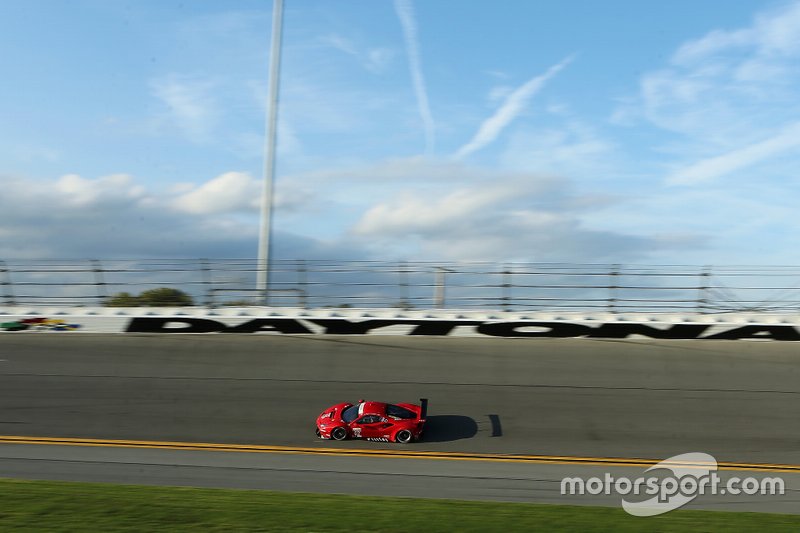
point(445, 428)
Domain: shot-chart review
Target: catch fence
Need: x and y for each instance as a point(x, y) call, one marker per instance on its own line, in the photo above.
point(516, 287)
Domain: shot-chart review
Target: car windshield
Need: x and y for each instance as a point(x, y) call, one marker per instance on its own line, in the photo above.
point(350, 414)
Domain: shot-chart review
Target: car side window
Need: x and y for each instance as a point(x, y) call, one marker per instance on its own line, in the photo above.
point(400, 412)
point(369, 419)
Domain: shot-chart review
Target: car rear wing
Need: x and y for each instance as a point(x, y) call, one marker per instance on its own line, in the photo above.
point(423, 412)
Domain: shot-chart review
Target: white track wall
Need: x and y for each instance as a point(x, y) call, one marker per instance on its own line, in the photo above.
point(286, 321)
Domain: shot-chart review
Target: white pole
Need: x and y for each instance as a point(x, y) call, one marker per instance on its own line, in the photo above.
point(265, 237)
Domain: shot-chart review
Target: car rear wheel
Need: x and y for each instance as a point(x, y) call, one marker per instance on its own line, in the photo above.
point(403, 436)
point(339, 433)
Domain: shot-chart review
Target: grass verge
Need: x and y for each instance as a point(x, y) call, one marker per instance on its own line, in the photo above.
point(66, 506)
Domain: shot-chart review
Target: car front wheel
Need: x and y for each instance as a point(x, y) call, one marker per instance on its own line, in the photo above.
point(339, 433)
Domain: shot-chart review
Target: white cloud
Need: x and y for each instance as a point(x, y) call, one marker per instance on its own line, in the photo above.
point(227, 192)
point(513, 104)
point(503, 217)
point(115, 216)
point(573, 149)
point(732, 97)
point(415, 208)
point(714, 42)
point(729, 85)
point(189, 105)
point(79, 191)
point(414, 214)
point(773, 33)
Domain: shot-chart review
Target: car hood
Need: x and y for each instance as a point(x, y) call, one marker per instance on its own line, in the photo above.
point(332, 414)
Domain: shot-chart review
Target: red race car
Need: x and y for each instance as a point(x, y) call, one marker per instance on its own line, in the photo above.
point(386, 422)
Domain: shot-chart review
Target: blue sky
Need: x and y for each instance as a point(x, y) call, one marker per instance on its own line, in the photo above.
point(618, 131)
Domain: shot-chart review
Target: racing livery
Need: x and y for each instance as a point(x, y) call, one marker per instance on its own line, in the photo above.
point(387, 422)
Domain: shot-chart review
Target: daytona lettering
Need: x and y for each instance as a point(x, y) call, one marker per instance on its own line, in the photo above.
point(529, 329)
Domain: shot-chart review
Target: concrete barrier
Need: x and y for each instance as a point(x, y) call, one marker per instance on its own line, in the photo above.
point(295, 321)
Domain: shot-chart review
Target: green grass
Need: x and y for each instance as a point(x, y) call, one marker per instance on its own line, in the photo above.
point(61, 506)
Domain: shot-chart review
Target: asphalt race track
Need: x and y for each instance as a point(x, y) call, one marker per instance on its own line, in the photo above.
point(738, 401)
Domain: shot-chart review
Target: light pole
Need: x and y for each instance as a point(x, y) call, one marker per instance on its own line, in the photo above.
point(265, 236)
point(440, 286)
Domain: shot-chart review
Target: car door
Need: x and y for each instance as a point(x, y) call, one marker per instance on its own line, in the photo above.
point(370, 427)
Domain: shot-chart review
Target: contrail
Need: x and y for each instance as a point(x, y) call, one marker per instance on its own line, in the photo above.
point(511, 108)
point(714, 167)
point(405, 12)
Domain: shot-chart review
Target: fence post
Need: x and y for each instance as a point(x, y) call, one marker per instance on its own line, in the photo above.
point(507, 288)
point(702, 291)
point(302, 282)
point(6, 283)
point(402, 272)
point(99, 281)
point(205, 278)
point(612, 288)
point(439, 288)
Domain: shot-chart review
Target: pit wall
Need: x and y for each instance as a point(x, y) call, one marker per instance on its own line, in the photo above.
point(452, 323)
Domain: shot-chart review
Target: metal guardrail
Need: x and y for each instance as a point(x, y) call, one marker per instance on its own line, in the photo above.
point(412, 285)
